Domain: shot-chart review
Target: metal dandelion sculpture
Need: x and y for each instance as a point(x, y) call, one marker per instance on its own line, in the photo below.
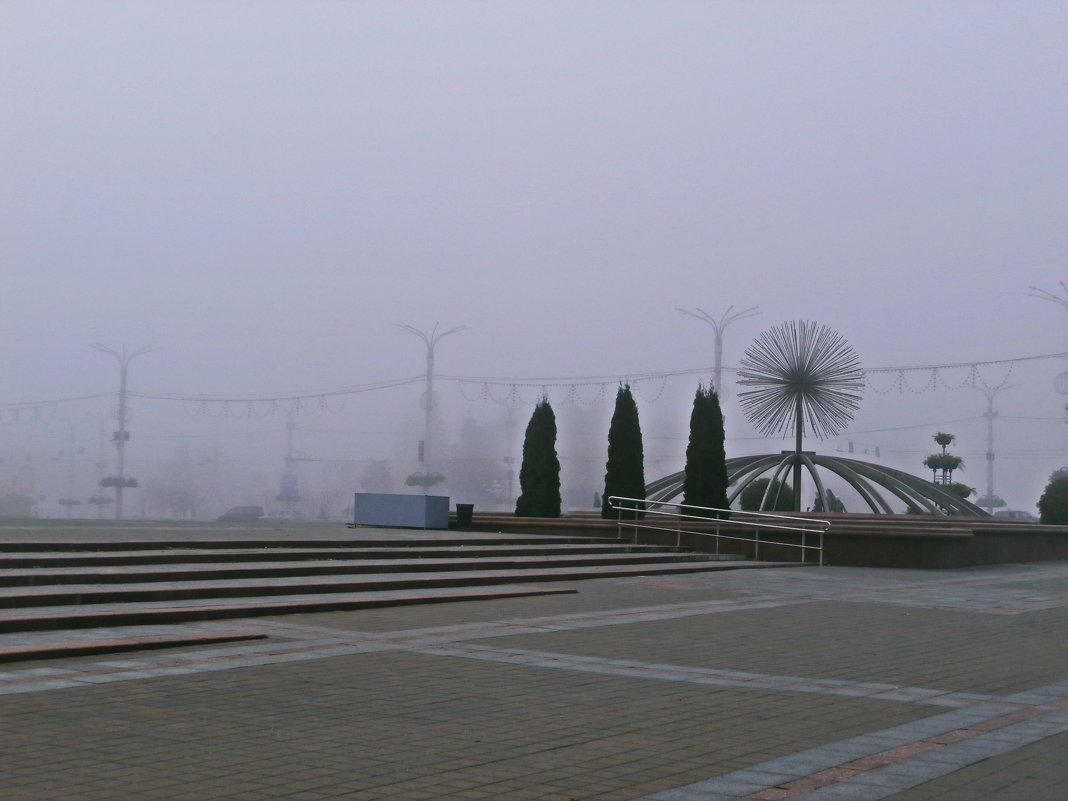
point(804, 375)
point(801, 370)
point(800, 376)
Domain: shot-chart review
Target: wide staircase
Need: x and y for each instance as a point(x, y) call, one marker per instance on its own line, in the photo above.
point(104, 584)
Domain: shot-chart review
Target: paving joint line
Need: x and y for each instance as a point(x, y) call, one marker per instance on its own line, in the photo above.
point(317, 642)
point(863, 768)
point(714, 676)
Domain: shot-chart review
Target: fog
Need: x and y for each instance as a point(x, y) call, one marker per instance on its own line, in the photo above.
point(262, 191)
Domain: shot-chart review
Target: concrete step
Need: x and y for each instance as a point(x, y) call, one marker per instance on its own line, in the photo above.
point(88, 616)
point(272, 553)
point(81, 585)
point(46, 646)
point(267, 541)
point(118, 574)
point(54, 595)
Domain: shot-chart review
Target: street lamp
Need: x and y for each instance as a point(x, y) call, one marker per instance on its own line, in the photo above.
point(430, 339)
point(990, 415)
point(120, 481)
point(1042, 294)
point(719, 326)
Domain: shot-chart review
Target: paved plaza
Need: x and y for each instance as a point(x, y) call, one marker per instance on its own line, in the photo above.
point(803, 684)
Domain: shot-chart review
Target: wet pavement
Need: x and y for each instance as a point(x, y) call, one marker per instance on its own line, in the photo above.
point(810, 683)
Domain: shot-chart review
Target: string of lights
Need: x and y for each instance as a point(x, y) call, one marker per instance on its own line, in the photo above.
point(54, 401)
point(269, 397)
point(585, 389)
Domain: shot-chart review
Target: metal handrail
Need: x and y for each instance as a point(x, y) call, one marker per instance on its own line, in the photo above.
point(755, 520)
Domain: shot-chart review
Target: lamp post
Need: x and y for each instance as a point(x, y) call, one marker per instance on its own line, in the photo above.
point(990, 415)
point(430, 339)
point(1043, 294)
point(719, 326)
point(120, 436)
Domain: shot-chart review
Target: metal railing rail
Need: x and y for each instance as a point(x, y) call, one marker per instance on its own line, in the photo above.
point(756, 521)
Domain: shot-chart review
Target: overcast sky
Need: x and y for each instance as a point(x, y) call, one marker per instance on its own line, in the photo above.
point(261, 189)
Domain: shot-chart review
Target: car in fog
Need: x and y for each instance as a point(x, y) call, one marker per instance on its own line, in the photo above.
point(280, 515)
point(1018, 515)
point(241, 514)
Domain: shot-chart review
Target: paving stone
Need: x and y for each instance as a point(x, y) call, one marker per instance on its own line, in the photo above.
point(632, 688)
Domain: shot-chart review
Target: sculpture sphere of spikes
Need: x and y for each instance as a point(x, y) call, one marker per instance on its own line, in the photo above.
point(803, 375)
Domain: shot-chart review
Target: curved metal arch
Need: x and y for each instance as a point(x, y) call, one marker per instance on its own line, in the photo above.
point(866, 478)
point(902, 491)
point(666, 488)
point(867, 492)
point(820, 490)
point(783, 467)
point(940, 496)
point(740, 464)
point(918, 493)
point(779, 485)
point(742, 476)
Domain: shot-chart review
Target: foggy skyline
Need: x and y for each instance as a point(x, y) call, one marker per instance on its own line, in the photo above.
point(263, 190)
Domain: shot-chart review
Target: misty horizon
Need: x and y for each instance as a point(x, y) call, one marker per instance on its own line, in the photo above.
point(262, 192)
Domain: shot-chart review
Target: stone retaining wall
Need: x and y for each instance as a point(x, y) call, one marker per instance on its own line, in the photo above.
point(907, 541)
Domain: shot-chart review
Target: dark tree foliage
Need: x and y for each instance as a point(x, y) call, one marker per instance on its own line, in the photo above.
point(960, 489)
point(539, 475)
point(625, 470)
point(705, 482)
point(1053, 505)
point(780, 498)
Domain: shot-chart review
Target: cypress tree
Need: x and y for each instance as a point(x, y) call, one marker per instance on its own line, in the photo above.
point(539, 475)
point(705, 482)
point(625, 470)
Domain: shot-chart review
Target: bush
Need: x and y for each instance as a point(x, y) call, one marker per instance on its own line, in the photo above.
point(780, 498)
point(1053, 505)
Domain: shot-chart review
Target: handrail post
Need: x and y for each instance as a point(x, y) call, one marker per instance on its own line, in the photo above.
point(804, 531)
point(756, 544)
point(678, 529)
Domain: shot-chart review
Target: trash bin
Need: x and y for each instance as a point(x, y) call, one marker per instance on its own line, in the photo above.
point(464, 513)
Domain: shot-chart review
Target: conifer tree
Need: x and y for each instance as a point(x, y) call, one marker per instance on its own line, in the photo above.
point(539, 475)
point(625, 470)
point(705, 482)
